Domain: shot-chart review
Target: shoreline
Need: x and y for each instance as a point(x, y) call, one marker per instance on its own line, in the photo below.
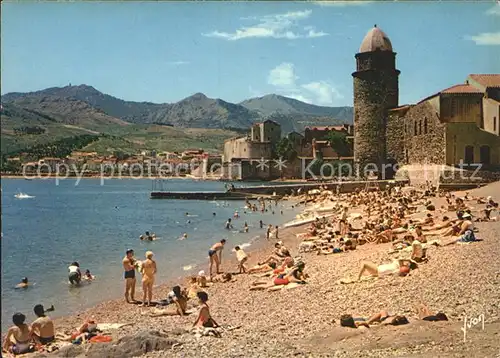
point(458, 280)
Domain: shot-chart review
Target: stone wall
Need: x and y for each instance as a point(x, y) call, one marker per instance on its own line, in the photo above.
point(424, 135)
point(395, 135)
point(491, 113)
point(460, 135)
point(461, 108)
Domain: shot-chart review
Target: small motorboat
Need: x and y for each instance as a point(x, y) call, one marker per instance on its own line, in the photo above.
point(23, 196)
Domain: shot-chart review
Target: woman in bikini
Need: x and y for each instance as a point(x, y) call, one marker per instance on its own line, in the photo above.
point(17, 340)
point(204, 318)
point(148, 271)
point(215, 255)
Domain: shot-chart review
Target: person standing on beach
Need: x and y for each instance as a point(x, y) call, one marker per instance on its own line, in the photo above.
point(261, 223)
point(246, 227)
point(276, 233)
point(268, 233)
point(148, 270)
point(129, 267)
point(215, 255)
point(242, 258)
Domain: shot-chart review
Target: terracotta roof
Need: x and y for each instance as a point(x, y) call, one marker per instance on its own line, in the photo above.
point(326, 128)
point(463, 88)
point(488, 80)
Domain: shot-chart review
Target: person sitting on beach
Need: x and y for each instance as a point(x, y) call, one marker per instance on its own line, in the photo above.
point(193, 288)
point(215, 255)
point(204, 318)
point(418, 253)
point(42, 329)
point(129, 267)
point(401, 267)
point(88, 276)
point(277, 255)
point(18, 337)
point(382, 317)
point(425, 314)
point(148, 270)
point(201, 279)
point(23, 284)
point(242, 258)
point(466, 232)
point(177, 297)
point(75, 275)
point(419, 235)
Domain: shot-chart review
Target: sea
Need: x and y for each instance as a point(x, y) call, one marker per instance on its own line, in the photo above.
point(94, 223)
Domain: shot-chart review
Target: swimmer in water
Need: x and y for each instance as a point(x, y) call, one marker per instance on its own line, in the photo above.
point(23, 284)
point(214, 214)
point(88, 276)
point(261, 224)
point(228, 225)
point(184, 236)
point(215, 255)
point(246, 227)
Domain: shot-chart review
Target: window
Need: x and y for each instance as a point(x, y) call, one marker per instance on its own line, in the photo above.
point(425, 125)
point(419, 127)
point(415, 129)
point(484, 154)
point(469, 154)
point(494, 124)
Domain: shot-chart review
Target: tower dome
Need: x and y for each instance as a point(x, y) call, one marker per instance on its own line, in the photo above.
point(375, 40)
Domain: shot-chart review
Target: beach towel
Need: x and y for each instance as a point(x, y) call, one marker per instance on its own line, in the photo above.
point(276, 288)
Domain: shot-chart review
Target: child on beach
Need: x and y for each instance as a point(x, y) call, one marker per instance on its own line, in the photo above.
point(242, 258)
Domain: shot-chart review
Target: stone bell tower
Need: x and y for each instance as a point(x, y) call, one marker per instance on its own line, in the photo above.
point(376, 89)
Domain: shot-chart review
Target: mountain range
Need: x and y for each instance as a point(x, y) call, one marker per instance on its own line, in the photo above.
point(68, 109)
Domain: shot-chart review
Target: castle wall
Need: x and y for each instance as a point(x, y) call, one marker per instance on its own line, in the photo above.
point(424, 135)
point(395, 135)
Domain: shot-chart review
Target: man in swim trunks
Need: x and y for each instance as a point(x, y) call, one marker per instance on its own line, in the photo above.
point(129, 267)
point(148, 271)
point(215, 255)
point(42, 329)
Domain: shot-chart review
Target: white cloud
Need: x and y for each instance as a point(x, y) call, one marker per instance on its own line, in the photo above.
point(342, 3)
point(323, 92)
point(495, 10)
point(177, 63)
point(486, 38)
point(284, 78)
point(278, 26)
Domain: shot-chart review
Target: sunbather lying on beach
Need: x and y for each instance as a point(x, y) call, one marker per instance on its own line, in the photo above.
point(401, 267)
point(425, 314)
point(180, 301)
point(277, 256)
point(295, 275)
point(262, 268)
point(86, 331)
point(222, 278)
point(383, 317)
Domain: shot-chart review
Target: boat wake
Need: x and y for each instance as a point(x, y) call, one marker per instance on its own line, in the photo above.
point(23, 196)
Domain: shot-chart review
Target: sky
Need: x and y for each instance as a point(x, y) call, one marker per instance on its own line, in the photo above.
point(165, 51)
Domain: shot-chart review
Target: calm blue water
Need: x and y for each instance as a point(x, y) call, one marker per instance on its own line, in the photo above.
point(94, 224)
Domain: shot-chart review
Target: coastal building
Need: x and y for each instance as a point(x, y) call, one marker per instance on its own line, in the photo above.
point(321, 132)
point(242, 154)
point(459, 124)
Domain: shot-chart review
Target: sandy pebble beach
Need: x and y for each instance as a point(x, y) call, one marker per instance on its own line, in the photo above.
point(459, 280)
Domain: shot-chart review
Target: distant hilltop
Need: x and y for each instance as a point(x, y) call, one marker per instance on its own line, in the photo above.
point(196, 111)
point(34, 119)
